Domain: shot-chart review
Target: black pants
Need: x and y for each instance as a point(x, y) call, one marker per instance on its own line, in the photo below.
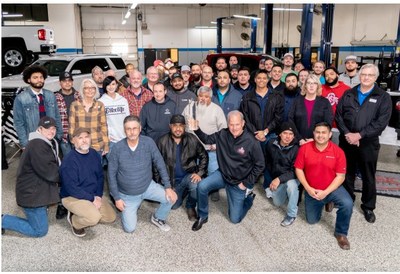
point(365, 157)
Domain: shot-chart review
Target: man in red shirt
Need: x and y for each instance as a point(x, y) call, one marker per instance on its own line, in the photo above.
point(320, 167)
point(333, 91)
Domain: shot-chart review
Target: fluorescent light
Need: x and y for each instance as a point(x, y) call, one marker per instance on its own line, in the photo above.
point(124, 22)
point(5, 14)
point(127, 15)
point(205, 27)
point(134, 5)
point(287, 9)
point(284, 9)
point(226, 24)
point(373, 43)
point(246, 17)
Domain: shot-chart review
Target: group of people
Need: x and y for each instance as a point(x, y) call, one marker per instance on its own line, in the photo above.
point(186, 133)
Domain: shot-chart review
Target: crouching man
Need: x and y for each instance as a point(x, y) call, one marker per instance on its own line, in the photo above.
point(82, 186)
point(130, 177)
point(321, 167)
point(279, 158)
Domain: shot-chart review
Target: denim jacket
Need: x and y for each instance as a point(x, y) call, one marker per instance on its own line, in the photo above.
point(26, 113)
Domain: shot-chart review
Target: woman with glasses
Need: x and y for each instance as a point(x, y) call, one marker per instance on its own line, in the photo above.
point(310, 109)
point(90, 113)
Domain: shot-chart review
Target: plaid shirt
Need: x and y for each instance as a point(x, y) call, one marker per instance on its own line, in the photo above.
point(137, 102)
point(62, 107)
point(94, 119)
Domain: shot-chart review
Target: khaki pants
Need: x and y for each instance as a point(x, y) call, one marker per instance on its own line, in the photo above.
point(86, 214)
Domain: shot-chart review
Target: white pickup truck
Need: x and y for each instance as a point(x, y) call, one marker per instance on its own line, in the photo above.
point(21, 45)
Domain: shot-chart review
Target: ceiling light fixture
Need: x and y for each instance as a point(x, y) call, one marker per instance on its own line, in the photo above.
point(128, 14)
point(284, 9)
point(225, 24)
point(124, 22)
point(254, 17)
point(205, 27)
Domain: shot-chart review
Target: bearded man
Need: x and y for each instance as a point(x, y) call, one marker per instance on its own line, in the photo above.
point(33, 103)
point(290, 92)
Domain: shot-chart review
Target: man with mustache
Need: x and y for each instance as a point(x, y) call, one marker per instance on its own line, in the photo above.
point(351, 76)
point(290, 92)
point(33, 103)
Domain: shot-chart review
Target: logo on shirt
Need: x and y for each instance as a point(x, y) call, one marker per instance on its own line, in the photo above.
point(241, 151)
point(330, 157)
point(167, 111)
point(333, 99)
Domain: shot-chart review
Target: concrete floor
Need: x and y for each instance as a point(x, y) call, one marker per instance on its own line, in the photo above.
point(259, 243)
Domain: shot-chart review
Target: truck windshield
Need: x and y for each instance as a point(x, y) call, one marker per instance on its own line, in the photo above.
point(53, 67)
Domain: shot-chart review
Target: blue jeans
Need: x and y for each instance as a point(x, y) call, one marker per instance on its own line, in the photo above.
point(267, 175)
point(35, 225)
point(154, 192)
point(287, 191)
point(212, 161)
point(342, 200)
point(181, 188)
point(238, 204)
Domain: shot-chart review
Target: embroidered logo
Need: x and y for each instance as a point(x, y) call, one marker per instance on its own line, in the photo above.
point(241, 151)
point(167, 111)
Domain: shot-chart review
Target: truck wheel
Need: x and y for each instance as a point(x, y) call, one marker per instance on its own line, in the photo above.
point(14, 58)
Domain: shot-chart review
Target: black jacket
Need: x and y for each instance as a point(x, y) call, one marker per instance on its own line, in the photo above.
point(240, 159)
point(280, 160)
point(322, 112)
point(369, 119)
point(194, 157)
point(273, 112)
point(37, 174)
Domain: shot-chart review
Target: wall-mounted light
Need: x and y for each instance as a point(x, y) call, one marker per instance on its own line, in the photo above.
point(247, 17)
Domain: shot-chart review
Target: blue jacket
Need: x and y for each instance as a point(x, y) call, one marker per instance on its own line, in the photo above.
point(231, 100)
point(26, 113)
point(82, 175)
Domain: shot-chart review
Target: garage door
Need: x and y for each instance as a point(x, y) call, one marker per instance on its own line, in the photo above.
point(102, 31)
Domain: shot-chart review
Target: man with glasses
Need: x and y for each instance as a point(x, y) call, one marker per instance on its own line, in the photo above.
point(362, 114)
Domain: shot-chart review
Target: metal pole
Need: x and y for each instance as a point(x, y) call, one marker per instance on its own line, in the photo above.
point(268, 17)
point(326, 33)
point(253, 36)
point(306, 33)
point(219, 34)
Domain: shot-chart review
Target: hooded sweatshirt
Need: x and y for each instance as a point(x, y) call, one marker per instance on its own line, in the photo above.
point(155, 117)
point(116, 111)
point(37, 174)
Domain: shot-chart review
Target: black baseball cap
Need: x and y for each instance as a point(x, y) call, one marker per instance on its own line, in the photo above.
point(65, 75)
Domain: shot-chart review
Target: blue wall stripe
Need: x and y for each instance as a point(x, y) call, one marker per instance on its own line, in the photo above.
point(69, 50)
point(344, 48)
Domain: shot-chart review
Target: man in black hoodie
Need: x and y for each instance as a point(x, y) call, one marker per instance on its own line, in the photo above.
point(240, 161)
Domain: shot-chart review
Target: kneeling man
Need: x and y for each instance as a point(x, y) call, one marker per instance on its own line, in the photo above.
point(82, 186)
point(321, 167)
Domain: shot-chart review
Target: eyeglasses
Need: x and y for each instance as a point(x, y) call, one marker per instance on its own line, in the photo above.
point(89, 88)
point(367, 75)
point(311, 83)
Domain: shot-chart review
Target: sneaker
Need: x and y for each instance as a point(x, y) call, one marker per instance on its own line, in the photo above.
point(160, 223)
point(268, 192)
point(77, 232)
point(61, 212)
point(288, 221)
point(249, 192)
